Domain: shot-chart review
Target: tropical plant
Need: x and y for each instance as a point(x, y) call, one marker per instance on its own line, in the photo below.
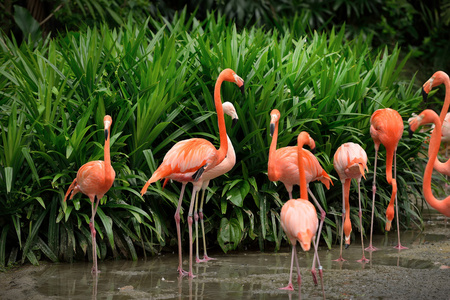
point(158, 87)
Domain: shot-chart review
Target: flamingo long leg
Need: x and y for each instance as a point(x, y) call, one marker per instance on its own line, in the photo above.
point(374, 191)
point(190, 221)
point(205, 254)
point(197, 257)
point(363, 259)
point(342, 224)
point(177, 221)
point(320, 272)
point(316, 255)
point(399, 245)
point(290, 287)
point(93, 239)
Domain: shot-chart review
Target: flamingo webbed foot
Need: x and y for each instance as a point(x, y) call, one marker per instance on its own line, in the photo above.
point(289, 287)
point(371, 248)
point(400, 247)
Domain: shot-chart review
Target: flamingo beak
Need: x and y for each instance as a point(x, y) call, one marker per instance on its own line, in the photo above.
point(410, 132)
point(424, 94)
point(242, 89)
point(272, 129)
point(234, 122)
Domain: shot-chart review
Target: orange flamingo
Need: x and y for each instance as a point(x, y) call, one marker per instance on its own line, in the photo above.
point(195, 155)
point(203, 182)
point(298, 216)
point(94, 179)
point(426, 117)
point(349, 161)
point(439, 78)
point(386, 127)
point(283, 166)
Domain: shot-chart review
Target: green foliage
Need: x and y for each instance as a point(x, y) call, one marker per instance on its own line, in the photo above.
point(158, 87)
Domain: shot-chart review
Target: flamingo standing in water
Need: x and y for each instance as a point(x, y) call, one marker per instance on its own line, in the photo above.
point(439, 78)
point(94, 179)
point(426, 117)
point(349, 161)
point(298, 216)
point(283, 166)
point(226, 165)
point(195, 155)
point(386, 127)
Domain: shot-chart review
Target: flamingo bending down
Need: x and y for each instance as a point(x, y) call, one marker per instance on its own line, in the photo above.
point(203, 182)
point(94, 179)
point(425, 117)
point(386, 127)
point(298, 216)
point(283, 166)
point(198, 156)
point(350, 160)
point(439, 78)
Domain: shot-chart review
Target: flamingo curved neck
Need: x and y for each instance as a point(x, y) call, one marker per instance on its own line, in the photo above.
point(222, 151)
point(443, 206)
point(107, 159)
point(301, 169)
point(272, 149)
point(446, 100)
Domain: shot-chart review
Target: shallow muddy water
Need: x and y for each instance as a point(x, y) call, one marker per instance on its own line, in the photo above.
point(417, 273)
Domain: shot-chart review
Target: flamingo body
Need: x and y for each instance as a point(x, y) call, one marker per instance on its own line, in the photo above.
point(299, 222)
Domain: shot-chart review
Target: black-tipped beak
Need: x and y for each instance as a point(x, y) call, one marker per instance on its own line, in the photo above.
point(410, 132)
point(272, 129)
point(242, 89)
point(424, 95)
point(347, 245)
point(313, 151)
point(106, 134)
point(234, 122)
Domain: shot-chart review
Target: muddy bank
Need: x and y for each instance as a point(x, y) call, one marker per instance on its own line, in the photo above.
point(417, 273)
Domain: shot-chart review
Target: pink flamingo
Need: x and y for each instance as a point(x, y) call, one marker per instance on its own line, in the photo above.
point(283, 166)
point(437, 79)
point(386, 127)
point(198, 156)
point(298, 216)
point(202, 183)
point(94, 179)
point(426, 117)
point(350, 160)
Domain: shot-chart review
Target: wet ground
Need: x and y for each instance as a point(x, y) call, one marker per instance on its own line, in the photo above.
point(420, 272)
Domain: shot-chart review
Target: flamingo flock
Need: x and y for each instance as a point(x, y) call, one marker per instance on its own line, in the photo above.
point(197, 161)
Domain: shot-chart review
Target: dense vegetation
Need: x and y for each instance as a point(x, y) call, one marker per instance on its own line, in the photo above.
point(156, 80)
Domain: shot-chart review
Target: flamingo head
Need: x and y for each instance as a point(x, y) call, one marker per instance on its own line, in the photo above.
point(304, 139)
point(438, 78)
point(107, 121)
point(228, 108)
point(389, 217)
point(274, 118)
point(231, 76)
point(425, 117)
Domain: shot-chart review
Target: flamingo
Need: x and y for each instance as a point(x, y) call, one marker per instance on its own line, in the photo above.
point(439, 78)
point(226, 165)
point(350, 160)
point(195, 155)
point(298, 216)
point(425, 117)
point(283, 166)
point(94, 179)
point(386, 127)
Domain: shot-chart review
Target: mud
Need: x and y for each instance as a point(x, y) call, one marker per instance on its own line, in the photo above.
point(420, 272)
